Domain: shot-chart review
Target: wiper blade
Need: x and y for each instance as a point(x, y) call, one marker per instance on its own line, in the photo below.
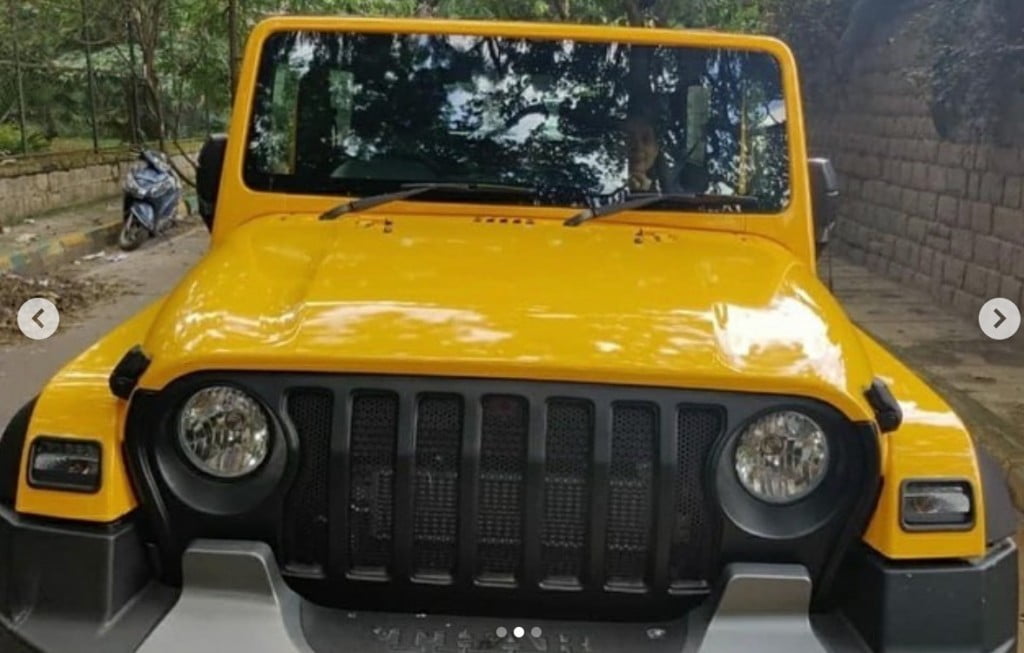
point(412, 190)
point(645, 200)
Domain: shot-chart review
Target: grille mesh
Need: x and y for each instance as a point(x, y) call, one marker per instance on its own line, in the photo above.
point(438, 434)
point(696, 430)
point(634, 442)
point(306, 517)
point(566, 493)
point(502, 467)
point(374, 433)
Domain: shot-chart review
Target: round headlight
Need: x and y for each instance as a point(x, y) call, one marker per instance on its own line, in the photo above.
point(223, 432)
point(782, 457)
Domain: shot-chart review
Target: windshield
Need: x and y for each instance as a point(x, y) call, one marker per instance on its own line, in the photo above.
point(355, 114)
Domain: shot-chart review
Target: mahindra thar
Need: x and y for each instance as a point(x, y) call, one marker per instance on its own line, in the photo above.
point(509, 338)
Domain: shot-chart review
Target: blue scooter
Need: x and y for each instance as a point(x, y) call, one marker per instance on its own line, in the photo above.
point(151, 195)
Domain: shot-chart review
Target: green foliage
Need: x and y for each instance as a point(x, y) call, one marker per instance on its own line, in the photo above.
point(974, 68)
point(191, 65)
point(721, 14)
point(10, 138)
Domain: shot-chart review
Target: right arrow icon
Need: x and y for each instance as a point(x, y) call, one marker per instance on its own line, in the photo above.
point(1002, 318)
point(999, 318)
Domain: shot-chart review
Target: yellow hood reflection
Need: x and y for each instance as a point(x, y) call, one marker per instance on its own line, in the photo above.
point(501, 297)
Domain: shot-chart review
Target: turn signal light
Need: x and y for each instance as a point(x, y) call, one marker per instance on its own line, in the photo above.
point(65, 464)
point(937, 505)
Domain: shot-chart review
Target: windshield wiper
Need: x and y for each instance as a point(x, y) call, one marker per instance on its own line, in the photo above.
point(645, 200)
point(412, 190)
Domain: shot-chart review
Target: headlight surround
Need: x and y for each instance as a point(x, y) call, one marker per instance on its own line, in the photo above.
point(781, 457)
point(224, 432)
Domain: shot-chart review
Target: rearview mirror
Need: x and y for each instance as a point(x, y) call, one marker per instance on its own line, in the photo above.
point(208, 172)
point(825, 201)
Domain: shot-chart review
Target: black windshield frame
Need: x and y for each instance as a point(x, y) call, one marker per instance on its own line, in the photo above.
point(556, 192)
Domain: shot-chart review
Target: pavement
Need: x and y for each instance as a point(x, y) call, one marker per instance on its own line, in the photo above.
point(43, 242)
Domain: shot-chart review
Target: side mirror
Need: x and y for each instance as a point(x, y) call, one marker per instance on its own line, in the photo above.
point(208, 172)
point(825, 201)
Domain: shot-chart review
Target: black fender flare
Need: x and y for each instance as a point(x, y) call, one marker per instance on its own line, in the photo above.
point(11, 445)
point(1000, 512)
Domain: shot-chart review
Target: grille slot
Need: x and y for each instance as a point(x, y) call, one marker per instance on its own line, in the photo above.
point(306, 517)
point(570, 428)
point(631, 480)
point(438, 434)
point(371, 505)
point(502, 470)
point(697, 427)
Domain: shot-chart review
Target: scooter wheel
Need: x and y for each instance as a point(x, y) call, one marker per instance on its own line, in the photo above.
point(132, 235)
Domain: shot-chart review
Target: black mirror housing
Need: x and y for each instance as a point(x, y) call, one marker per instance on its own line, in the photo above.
point(208, 173)
point(824, 200)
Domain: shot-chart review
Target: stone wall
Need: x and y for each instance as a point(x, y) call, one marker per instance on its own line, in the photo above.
point(942, 215)
point(27, 191)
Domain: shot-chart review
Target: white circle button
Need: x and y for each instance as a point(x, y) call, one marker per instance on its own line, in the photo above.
point(38, 318)
point(999, 318)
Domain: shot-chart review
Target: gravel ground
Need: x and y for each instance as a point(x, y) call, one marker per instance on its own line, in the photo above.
point(71, 296)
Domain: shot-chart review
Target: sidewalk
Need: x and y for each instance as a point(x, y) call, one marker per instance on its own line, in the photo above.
point(982, 379)
point(40, 243)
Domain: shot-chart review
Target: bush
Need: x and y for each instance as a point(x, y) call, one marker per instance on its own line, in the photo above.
point(10, 139)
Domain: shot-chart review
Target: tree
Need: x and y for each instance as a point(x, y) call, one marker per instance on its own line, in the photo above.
point(233, 54)
point(146, 20)
point(167, 68)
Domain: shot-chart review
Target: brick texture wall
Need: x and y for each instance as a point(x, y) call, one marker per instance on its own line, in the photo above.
point(942, 215)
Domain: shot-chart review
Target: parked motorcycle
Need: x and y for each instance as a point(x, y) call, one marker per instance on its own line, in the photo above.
point(152, 193)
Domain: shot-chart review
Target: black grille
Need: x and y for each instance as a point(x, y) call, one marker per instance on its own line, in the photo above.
point(691, 552)
point(435, 519)
point(566, 496)
point(502, 489)
point(631, 479)
point(306, 520)
point(371, 505)
point(502, 465)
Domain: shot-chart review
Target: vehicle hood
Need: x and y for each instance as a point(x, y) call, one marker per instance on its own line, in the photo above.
point(490, 297)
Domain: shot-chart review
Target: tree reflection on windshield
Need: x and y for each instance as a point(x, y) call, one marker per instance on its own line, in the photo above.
point(364, 113)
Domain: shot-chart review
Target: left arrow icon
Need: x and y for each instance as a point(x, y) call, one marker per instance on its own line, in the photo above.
point(38, 318)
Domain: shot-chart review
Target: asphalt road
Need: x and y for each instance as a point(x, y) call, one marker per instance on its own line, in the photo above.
point(25, 365)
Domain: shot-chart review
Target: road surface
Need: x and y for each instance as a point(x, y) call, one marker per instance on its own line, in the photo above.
point(25, 365)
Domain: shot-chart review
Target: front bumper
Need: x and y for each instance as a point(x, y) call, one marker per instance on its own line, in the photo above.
point(84, 589)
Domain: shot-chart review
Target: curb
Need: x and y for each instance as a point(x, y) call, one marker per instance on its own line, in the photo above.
point(43, 255)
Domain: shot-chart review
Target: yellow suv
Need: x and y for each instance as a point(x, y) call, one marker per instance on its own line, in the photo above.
point(509, 337)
